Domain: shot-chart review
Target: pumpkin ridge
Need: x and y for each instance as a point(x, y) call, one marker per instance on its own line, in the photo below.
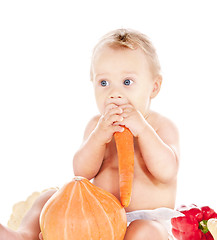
point(77, 203)
point(113, 200)
point(100, 206)
point(102, 191)
point(108, 195)
point(86, 200)
point(67, 210)
point(83, 211)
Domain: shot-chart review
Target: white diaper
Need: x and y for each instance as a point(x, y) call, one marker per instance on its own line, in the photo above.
point(161, 215)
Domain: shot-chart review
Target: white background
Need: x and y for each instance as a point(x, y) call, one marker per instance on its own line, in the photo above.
point(46, 97)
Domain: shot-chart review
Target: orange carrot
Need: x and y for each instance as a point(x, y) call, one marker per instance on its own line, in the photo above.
point(125, 149)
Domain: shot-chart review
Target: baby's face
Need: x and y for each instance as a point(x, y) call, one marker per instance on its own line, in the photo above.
point(122, 73)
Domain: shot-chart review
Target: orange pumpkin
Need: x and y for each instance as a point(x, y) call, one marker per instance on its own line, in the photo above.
point(82, 211)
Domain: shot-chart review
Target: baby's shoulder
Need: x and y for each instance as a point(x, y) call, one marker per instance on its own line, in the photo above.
point(166, 129)
point(159, 122)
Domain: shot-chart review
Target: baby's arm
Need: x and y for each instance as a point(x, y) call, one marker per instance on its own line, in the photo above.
point(88, 159)
point(160, 149)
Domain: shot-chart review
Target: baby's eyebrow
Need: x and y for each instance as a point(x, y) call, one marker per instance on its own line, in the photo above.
point(130, 72)
point(100, 74)
point(124, 73)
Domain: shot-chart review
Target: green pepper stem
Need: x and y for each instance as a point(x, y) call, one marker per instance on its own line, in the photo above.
point(203, 226)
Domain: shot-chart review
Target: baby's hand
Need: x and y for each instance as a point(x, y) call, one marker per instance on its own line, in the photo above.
point(106, 126)
point(132, 119)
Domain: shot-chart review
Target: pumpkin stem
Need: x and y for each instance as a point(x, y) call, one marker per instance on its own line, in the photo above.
point(78, 178)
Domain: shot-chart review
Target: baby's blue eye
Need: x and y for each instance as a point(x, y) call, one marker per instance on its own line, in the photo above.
point(104, 83)
point(127, 82)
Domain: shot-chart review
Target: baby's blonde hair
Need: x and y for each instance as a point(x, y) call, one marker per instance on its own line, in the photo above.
point(132, 39)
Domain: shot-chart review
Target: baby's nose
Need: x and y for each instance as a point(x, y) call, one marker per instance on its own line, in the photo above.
point(115, 95)
point(117, 99)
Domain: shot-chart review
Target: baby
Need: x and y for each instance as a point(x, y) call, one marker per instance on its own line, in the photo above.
point(125, 73)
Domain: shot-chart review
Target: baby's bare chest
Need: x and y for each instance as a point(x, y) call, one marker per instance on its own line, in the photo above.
point(108, 176)
point(111, 158)
point(144, 184)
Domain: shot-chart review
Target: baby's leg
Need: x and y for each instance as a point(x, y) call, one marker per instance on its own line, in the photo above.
point(8, 234)
point(29, 228)
point(146, 230)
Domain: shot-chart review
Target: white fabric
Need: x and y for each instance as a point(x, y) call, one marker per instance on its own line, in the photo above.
point(161, 215)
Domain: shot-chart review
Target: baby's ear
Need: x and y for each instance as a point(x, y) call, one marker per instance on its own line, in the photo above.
point(156, 86)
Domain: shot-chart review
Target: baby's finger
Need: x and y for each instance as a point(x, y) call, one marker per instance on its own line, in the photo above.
point(113, 110)
point(114, 118)
point(118, 128)
point(127, 107)
point(109, 107)
point(123, 118)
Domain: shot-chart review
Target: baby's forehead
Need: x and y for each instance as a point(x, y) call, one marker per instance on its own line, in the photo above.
point(113, 62)
point(106, 50)
point(108, 53)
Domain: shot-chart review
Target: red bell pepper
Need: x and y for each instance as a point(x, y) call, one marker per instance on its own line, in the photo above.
point(193, 224)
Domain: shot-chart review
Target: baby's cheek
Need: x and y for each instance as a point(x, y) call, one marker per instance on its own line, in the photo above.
point(100, 105)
